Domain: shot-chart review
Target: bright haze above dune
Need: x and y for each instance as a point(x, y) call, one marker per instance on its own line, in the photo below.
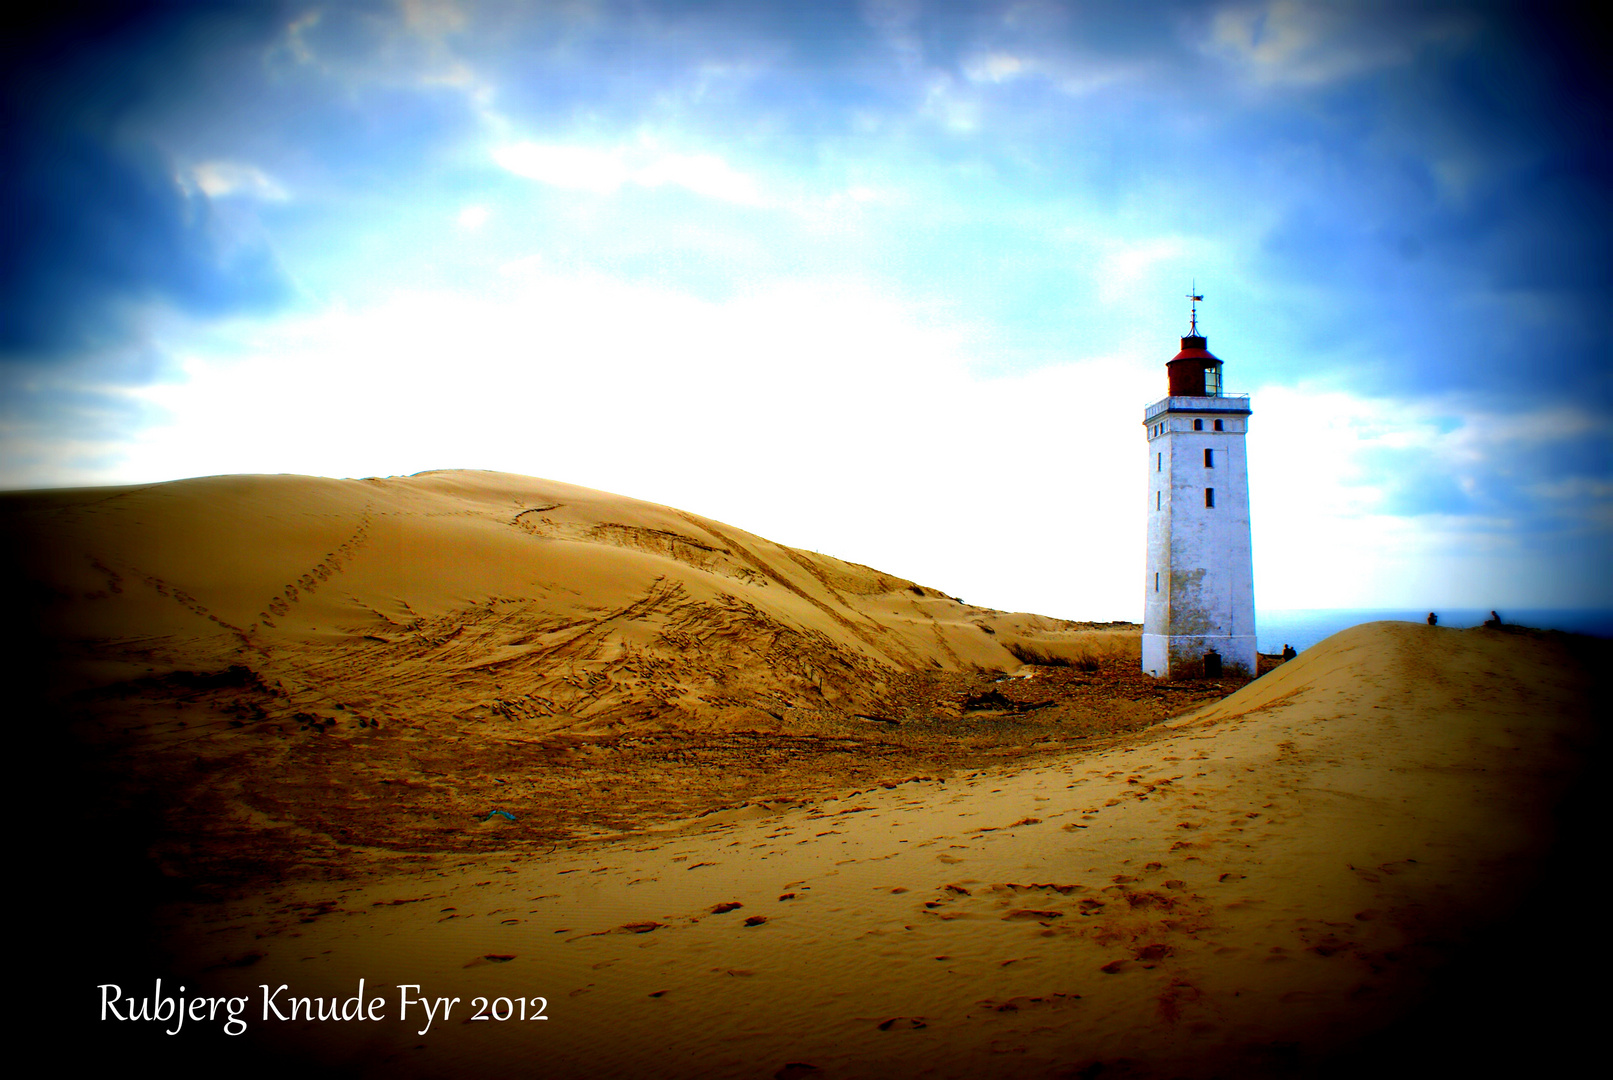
point(891, 280)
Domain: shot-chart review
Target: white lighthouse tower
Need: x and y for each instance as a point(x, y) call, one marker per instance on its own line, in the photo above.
point(1199, 618)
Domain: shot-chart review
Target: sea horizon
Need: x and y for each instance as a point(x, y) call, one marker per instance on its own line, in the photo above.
point(1304, 627)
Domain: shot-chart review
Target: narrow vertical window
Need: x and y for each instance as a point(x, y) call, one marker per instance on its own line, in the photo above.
point(1156, 580)
point(1218, 426)
point(1157, 498)
point(1159, 461)
point(1209, 498)
point(1198, 425)
point(1209, 459)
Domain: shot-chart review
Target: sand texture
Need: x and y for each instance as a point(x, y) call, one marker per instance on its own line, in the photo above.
point(366, 665)
point(773, 814)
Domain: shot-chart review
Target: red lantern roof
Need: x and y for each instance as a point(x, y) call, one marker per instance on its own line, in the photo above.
point(1193, 349)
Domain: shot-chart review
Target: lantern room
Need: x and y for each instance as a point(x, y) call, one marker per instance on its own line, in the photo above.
point(1194, 372)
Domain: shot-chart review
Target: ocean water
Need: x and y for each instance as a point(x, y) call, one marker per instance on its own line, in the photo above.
point(1304, 628)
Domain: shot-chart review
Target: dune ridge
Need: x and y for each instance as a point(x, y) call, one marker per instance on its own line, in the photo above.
point(561, 605)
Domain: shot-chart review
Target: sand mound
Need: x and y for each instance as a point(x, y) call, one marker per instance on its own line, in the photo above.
point(270, 671)
point(763, 812)
point(1250, 891)
point(484, 594)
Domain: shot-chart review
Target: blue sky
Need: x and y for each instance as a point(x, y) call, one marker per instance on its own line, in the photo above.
point(891, 280)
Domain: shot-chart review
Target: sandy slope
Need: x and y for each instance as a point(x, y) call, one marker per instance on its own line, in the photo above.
point(1240, 892)
point(276, 674)
point(277, 707)
point(549, 605)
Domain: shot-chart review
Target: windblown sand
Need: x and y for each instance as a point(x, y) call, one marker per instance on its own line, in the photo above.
point(965, 867)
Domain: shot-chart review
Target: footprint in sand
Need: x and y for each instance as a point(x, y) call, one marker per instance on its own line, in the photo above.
point(491, 958)
point(1018, 1004)
point(633, 928)
point(903, 1023)
point(1032, 914)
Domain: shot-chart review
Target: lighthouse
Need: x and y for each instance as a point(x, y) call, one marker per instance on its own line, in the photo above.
point(1199, 614)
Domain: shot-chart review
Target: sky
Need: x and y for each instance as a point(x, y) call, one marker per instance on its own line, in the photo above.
point(891, 280)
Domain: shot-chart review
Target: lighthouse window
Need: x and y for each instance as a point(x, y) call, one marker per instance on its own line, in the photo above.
point(1156, 581)
point(1209, 459)
point(1218, 426)
point(1209, 498)
point(1198, 425)
point(1157, 498)
point(1159, 461)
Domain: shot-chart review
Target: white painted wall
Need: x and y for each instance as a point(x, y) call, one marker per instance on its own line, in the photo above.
point(1199, 590)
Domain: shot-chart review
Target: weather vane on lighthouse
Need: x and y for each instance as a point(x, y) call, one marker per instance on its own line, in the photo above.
point(1197, 298)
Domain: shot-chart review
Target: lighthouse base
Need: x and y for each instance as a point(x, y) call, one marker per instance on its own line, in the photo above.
point(1183, 656)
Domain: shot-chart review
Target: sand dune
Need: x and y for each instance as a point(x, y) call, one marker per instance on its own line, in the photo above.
point(369, 664)
point(766, 813)
point(549, 605)
point(1246, 891)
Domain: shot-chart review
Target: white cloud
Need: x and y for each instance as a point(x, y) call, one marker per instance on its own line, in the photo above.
point(1286, 41)
point(1324, 470)
point(1070, 74)
point(473, 217)
point(605, 170)
point(993, 67)
point(577, 168)
point(703, 174)
point(221, 179)
point(1130, 266)
point(943, 102)
point(418, 44)
point(434, 19)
